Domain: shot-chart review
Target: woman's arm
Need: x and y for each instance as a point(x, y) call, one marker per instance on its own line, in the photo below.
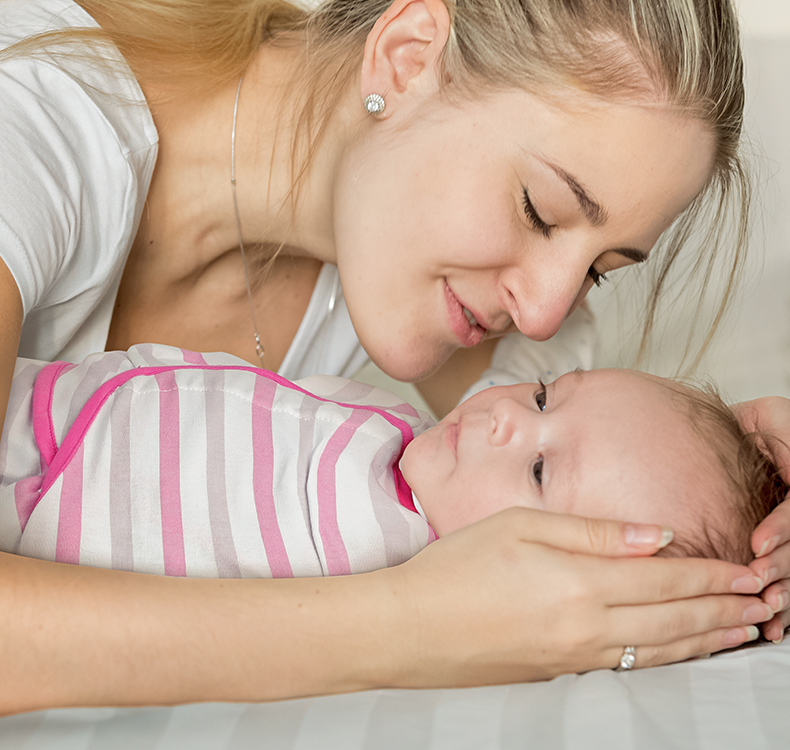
point(10, 329)
point(483, 605)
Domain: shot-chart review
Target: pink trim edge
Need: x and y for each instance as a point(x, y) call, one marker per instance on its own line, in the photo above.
point(43, 392)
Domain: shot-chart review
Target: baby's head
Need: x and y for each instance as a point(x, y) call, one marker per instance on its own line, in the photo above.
point(604, 444)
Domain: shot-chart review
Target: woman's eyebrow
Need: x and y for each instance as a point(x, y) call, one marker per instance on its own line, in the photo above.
point(596, 214)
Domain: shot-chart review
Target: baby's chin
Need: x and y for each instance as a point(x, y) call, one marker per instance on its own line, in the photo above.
point(406, 464)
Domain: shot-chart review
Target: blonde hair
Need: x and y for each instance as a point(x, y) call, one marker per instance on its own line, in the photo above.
point(682, 53)
point(753, 486)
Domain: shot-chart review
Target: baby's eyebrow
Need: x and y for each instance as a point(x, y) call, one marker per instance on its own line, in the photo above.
point(577, 373)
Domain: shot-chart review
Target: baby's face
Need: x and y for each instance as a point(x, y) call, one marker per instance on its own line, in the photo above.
point(602, 444)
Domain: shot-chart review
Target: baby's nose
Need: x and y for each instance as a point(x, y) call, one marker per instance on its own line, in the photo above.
point(510, 420)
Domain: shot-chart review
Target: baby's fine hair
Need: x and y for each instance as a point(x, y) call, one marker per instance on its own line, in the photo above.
point(754, 486)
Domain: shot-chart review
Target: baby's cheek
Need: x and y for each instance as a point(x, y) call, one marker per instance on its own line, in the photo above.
point(486, 502)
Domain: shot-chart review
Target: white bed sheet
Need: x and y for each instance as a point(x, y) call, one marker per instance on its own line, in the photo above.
point(736, 700)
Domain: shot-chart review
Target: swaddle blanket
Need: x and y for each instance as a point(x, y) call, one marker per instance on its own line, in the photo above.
point(159, 460)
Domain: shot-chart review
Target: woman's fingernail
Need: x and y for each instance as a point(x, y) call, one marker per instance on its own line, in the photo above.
point(752, 633)
point(782, 601)
point(779, 639)
point(768, 546)
point(757, 613)
point(747, 585)
point(737, 636)
point(648, 536)
point(770, 575)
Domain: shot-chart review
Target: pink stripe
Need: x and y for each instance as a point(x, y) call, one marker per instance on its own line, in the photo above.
point(337, 563)
point(85, 418)
point(194, 358)
point(407, 409)
point(263, 482)
point(170, 475)
point(67, 549)
point(43, 393)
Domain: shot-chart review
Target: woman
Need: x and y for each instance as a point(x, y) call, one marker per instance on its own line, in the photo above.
point(500, 165)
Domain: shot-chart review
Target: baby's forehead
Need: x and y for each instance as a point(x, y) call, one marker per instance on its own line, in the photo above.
point(614, 382)
point(649, 443)
point(643, 415)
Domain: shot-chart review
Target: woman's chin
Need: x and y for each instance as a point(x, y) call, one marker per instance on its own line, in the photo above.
point(408, 362)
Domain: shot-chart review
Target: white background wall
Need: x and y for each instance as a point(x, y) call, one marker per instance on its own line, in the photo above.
point(751, 353)
point(765, 17)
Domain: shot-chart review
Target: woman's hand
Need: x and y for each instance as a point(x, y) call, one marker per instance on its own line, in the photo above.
point(528, 595)
point(771, 539)
point(483, 605)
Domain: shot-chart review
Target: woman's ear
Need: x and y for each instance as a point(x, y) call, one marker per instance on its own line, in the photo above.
point(402, 51)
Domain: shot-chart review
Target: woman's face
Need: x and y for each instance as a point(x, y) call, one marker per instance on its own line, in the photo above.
point(497, 210)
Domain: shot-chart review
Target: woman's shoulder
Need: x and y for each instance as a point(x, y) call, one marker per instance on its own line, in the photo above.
point(24, 18)
point(77, 150)
point(96, 81)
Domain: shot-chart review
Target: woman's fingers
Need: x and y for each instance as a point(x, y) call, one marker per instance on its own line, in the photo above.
point(773, 532)
point(687, 648)
point(591, 536)
point(672, 622)
point(660, 579)
point(773, 567)
point(685, 629)
point(777, 597)
point(775, 629)
point(771, 417)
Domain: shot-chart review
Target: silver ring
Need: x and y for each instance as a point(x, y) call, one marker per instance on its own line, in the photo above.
point(627, 660)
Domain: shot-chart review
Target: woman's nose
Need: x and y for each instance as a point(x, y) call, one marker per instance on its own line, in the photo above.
point(510, 421)
point(540, 298)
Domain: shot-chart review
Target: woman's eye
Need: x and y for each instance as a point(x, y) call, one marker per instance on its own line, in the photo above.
point(597, 278)
point(534, 218)
point(537, 471)
point(540, 397)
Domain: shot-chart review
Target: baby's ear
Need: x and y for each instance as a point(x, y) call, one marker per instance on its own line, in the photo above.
point(402, 52)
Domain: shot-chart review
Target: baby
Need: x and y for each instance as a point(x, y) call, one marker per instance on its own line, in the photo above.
point(164, 461)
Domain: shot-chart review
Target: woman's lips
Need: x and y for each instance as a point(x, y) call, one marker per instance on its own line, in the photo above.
point(467, 334)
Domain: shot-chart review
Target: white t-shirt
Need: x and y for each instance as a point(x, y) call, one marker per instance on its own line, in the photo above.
point(77, 150)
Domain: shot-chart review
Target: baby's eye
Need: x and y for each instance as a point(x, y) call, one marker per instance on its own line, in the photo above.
point(537, 471)
point(540, 396)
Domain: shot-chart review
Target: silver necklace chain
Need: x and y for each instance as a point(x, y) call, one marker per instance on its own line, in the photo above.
point(256, 335)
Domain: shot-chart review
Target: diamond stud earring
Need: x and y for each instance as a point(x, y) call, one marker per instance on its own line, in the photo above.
point(375, 104)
